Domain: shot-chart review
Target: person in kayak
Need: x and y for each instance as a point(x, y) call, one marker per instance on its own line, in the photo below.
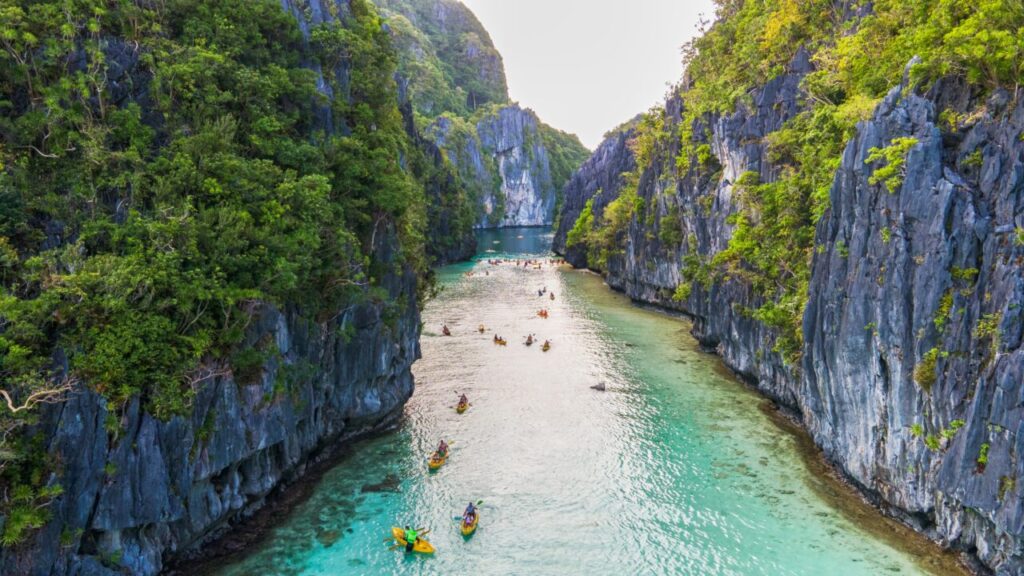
point(469, 515)
point(529, 340)
point(463, 400)
point(446, 331)
point(411, 536)
point(442, 449)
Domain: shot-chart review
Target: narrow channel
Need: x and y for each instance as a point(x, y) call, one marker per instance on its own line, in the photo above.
point(675, 469)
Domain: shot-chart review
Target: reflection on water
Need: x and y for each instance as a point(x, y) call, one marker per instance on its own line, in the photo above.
point(673, 470)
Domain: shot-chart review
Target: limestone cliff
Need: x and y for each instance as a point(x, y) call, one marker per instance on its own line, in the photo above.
point(512, 164)
point(160, 489)
point(504, 160)
point(910, 372)
point(138, 489)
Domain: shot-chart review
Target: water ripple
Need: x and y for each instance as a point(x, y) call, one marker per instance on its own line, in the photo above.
point(673, 470)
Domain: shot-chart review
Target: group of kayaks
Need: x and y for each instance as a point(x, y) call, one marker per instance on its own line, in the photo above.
point(467, 523)
point(470, 520)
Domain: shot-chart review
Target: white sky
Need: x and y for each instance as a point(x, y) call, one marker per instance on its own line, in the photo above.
point(586, 66)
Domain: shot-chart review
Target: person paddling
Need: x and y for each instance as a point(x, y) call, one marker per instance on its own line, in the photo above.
point(446, 331)
point(442, 449)
point(411, 536)
point(469, 515)
point(463, 400)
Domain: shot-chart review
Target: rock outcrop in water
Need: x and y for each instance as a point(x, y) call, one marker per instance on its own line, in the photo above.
point(911, 367)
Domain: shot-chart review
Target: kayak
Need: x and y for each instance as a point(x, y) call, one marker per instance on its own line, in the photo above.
point(421, 546)
point(501, 342)
point(461, 408)
point(436, 462)
point(546, 347)
point(469, 529)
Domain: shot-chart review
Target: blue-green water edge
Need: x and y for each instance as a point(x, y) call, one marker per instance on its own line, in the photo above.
point(675, 469)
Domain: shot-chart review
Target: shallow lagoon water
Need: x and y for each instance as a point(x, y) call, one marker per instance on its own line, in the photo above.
point(676, 469)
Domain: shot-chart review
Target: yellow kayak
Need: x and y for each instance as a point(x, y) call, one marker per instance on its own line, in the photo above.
point(546, 347)
point(462, 408)
point(436, 461)
point(468, 529)
point(421, 546)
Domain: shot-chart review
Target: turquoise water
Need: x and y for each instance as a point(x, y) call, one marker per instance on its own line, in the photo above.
point(676, 469)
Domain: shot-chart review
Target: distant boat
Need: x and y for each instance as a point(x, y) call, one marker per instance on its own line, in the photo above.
point(519, 237)
point(497, 242)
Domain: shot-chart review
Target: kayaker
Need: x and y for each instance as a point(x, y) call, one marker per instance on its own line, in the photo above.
point(469, 514)
point(463, 400)
point(552, 295)
point(442, 449)
point(529, 340)
point(410, 538)
point(446, 331)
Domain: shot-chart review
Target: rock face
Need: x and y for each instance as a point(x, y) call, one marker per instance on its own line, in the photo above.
point(156, 490)
point(503, 160)
point(911, 374)
point(510, 163)
point(602, 171)
point(447, 55)
point(139, 492)
point(450, 211)
point(934, 268)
